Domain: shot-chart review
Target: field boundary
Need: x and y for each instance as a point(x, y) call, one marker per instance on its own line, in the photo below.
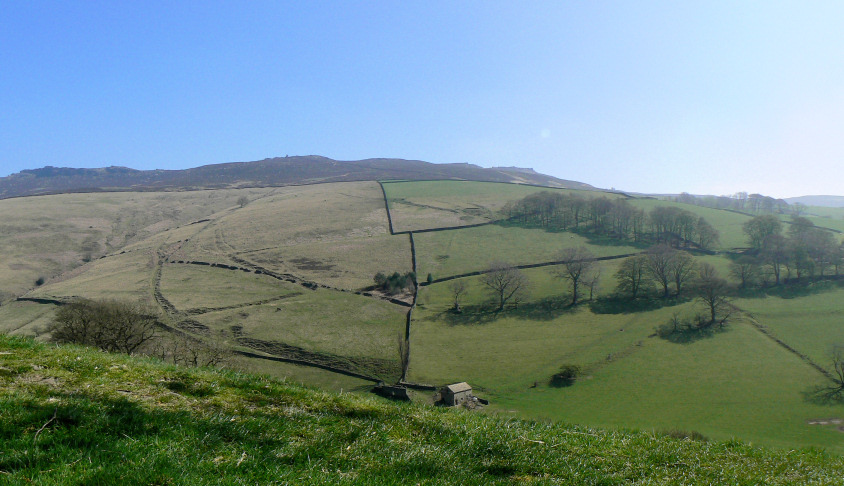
point(525, 266)
point(767, 332)
point(305, 363)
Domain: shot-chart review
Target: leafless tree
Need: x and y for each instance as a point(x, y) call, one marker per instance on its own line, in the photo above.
point(110, 325)
point(659, 266)
point(760, 229)
point(681, 267)
point(745, 270)
point(577, 265)
point(458, 291)
point(632, 275)
point(242, 201)
point(712, 292)
point(190, 351)
point(592, 280)
point(506, 282)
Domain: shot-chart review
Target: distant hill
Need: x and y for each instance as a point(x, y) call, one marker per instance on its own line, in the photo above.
point(276, 171)
point(825, 201)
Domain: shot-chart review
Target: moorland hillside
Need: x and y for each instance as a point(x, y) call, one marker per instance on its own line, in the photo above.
point(277, 171)
point(326, 284)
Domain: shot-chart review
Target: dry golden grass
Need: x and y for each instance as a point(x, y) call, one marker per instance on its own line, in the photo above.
point(323, 320)
point(44, 236)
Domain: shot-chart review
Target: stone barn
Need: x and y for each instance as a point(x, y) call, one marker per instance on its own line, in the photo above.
point(456, 394)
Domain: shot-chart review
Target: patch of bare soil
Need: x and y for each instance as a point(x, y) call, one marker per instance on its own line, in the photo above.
point(37, 379)
point(839, 423)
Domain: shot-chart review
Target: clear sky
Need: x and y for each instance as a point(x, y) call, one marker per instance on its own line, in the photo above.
point(704, 97)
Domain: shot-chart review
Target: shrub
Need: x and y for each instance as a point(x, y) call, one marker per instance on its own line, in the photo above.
point(109, 325)
point(566, 376)
point(394, 283)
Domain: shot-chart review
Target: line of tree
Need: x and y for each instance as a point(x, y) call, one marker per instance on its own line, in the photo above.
point(740, 201)
point(804, 250)
point(614, 218)
point(663, 267)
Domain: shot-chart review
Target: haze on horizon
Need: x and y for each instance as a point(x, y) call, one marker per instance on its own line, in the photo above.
point(654, 97)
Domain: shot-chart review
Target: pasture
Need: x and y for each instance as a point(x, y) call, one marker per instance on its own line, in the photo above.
point(455, 252)
point(734, 383)
point(423, 205)
point(298, 254)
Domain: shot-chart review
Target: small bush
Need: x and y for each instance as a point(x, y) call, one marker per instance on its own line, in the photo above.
point(109, 325)
point(566, 376)
point(395, 283)
point(40, 281)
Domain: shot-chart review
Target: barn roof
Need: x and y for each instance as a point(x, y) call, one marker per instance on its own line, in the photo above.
point(459, 387)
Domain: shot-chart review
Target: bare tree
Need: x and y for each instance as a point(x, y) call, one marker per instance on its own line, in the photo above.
point(190, 351)
point(506, 282)
point(760, 229)
point(577, 264)
point(110, 325)
point(835, 390)
point(745, 270)
point(712, 292)
point(242, 201)
point(632, 275)
point(458, 291)
point(707, 235)
point(681, 267)
point(659, 265)
point(592, 280)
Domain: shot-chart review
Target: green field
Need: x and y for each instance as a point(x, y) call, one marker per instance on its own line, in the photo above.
point(70, 415)
point(811, 323)
point(737, 383)
point(434, 204)
point(288, 241)
point(455, 252)
point(728, 223)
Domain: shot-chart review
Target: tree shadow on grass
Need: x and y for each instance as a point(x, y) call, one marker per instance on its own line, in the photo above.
point(824, 395)
point(615, 304)
point(592, 238)
point(792, 289)
point(546, 309)
point(687, 334)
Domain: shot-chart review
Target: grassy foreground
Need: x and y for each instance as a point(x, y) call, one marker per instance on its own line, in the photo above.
point(70, 415)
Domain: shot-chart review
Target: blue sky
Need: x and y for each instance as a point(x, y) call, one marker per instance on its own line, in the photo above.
point(704, 97)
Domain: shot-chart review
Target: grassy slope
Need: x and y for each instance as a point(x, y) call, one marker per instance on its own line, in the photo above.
point(335, 234)
point(71, 415)
point(738, 383)
point(330, 233)
point(455, 252)
point(433, 204)
point(44, 236)
point(728, 223)
point(811, 323)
